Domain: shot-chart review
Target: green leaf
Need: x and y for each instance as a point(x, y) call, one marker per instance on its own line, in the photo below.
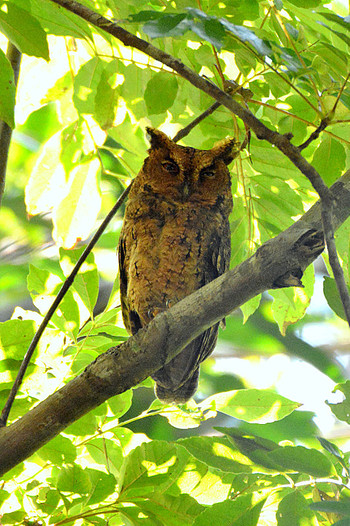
point(216, 452)
point(160, 93)
point(121, 403)
point(102, 486)
point(294, 509)
point(238, 512)
point(106, 98)
point(290, 304)
point(58, 451)
point(149, 468)
point(74, 479)
point(210, 30)
point(7, 91)
point(247, 35)
point(341, 507)
point(332, 296)
point(86, 282)
point(329, 159)
point(170, 510)
point(302, 460)
point(41, 281)
point(15, 337)
point(24, 31)
point(342, 409)
point(46, 185)
point(306, 3)
point(106, 452)
point(86, 83)
point(251, 405)
point(76, 214)
point(166, 25)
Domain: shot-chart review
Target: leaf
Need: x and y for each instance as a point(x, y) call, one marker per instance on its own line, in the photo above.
point(334, 450)
point(76, 214)
point(340, 507)
point(102, 486)
point(15, 337)
point(302, 460)
point(294, 509)
point(41, 281)
point(342, 409)
point(74, 479)
point(290, 304)
point(170, 510)
point(121, 403)
point(216, 452)
point(24, 31)
point(149, 468)
point(210, 30)
point(160, 93)
point(238, 512)
point(104, 452)
point(46, 185)
point(58, 451)
point(86, 282)
point(7, 91)
point(86, 83)
point(329, 159)
point(306, 3)
point(167, 25)
point(331, 293)
point(247, 35)
point(251, 405)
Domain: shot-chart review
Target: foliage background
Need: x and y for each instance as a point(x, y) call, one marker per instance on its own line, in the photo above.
point(79, 139)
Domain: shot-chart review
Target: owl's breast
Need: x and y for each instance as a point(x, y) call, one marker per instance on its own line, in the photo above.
point(165, 247)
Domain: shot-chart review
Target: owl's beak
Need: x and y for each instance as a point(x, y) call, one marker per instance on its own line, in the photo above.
point(186, 189)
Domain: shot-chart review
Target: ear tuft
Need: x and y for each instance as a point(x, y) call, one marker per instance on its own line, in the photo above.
point(157, 138)
point(226, 150)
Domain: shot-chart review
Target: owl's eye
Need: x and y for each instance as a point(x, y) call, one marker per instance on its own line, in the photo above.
point(171, 167)
point(207, 173)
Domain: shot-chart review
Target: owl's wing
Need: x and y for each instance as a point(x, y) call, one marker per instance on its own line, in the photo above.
point(131, 319)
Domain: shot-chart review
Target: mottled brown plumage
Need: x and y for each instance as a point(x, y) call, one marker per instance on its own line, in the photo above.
point(175, 239)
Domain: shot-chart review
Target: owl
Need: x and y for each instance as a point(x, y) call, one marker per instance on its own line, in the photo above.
point(175, 239)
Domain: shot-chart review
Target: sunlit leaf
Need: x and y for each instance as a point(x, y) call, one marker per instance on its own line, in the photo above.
point(7, 91)
point(86, 282)
point(251, 405)
point(342, 409)
point(332, 296)
point(31, 38)
point(294, 509)
point(46, 185)
point(76, 214)
point(160, 93)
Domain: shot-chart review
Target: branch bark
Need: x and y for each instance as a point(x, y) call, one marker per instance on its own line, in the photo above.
point(280, 261)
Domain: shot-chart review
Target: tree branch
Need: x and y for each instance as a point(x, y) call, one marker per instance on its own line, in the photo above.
point(282, 142)
point(14, 56)
point(280, 261)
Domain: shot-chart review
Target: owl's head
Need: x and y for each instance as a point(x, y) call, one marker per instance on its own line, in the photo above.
point(184, 174)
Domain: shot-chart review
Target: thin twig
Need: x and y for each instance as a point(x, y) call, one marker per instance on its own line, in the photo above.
point(187, 129)
point(315, 134)
point(14, 56)
point(66, 285)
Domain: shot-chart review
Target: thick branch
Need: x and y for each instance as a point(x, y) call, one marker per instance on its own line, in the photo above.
point(278, 262)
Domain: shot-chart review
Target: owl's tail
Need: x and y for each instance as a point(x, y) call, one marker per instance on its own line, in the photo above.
point(180, 395)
